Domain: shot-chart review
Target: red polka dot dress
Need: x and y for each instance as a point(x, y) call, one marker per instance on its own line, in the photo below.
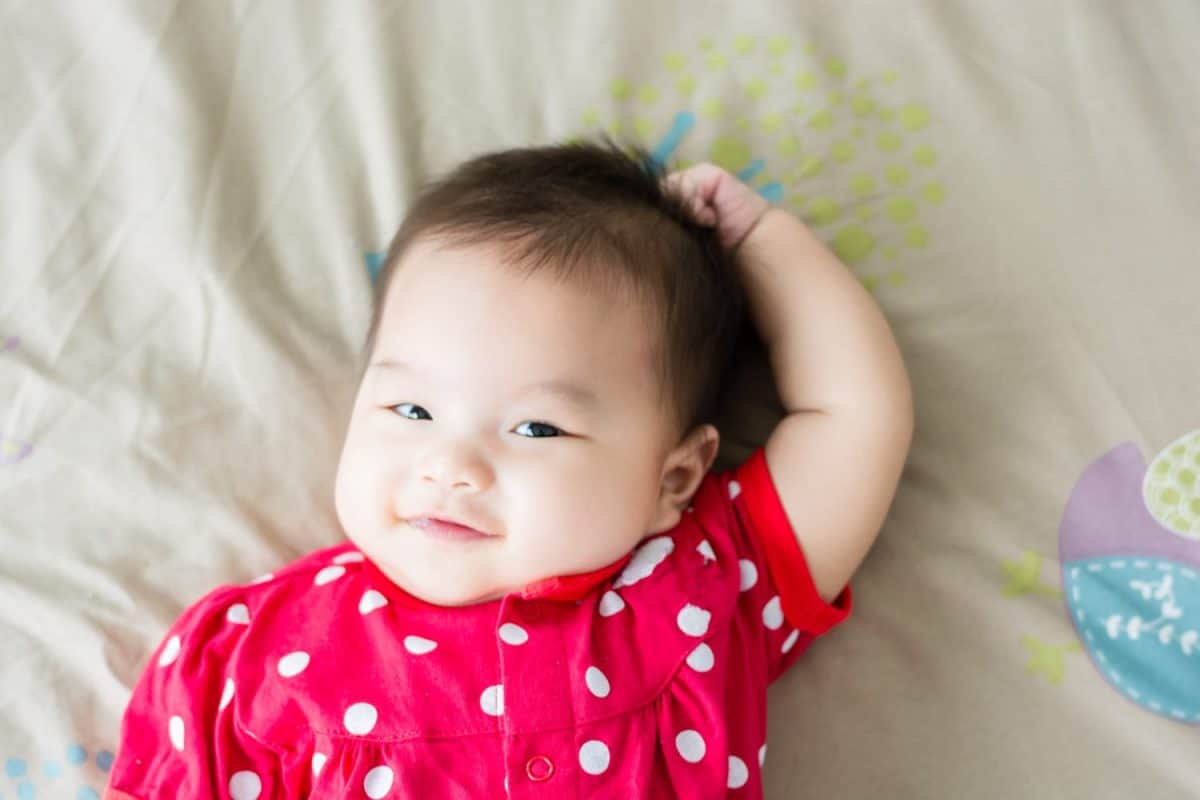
point(644, 679)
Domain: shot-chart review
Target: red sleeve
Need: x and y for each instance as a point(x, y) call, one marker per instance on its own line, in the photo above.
point(803, 606)
point(179, 737)
point(779, 611)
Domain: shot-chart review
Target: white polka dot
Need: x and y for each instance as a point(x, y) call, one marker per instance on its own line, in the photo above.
point(378, 782)
point(593, 757)
point(705, 549)
point(772, 613)
point(175, 732)
point(762, 755)
point(738, 774)
point(293, 664)
point(611, 603)
point(790, 642)
point(693, 620)
point(690, 745)
point(352, 557)
point(735, 489)
point(644, 561)
point(170, 652)
point(512, 633)
point(318, 762)
point(492, 700)
point(371, 600)
point(263, 578)
point(238, 614)
point(226, 694)
point(749, 573)
point(328, 575)
point(701, 659)
point(419, 645)
point(360, 718)
point(597, 682)
point(245, 785)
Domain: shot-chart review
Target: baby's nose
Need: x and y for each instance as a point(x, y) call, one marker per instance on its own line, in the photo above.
point(456, 467)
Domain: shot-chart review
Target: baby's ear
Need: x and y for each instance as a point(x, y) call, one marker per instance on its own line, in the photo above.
point(683, 471)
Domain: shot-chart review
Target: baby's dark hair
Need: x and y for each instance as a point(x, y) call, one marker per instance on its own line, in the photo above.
point(597, 215)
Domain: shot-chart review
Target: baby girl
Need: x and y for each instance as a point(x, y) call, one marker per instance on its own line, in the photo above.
point(544, 592)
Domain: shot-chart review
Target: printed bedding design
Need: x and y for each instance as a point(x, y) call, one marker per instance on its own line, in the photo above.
point(194, 198)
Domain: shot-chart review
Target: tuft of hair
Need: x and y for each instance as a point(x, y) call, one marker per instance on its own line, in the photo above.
point(596, 215)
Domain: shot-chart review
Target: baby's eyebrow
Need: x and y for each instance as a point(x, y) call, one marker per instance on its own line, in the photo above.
point(571, 392)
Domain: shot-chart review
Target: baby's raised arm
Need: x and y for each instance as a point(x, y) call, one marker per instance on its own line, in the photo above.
point(836, 458)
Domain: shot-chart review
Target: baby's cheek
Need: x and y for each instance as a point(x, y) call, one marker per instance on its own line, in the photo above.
point(359, 495)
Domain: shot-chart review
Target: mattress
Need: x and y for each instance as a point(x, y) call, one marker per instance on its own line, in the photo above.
point(194, 199)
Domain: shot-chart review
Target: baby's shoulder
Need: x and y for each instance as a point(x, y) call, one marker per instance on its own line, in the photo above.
point(317, 567)
point(252, 604)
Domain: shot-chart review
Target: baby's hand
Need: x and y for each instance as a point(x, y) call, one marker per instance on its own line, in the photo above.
point(718, 198)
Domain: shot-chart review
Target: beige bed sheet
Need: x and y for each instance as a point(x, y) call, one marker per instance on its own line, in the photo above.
point(191, 195)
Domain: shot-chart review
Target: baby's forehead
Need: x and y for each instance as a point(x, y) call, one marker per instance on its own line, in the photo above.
point(443, 271)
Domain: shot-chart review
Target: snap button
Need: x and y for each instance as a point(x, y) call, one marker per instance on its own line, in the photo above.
point(539, 768)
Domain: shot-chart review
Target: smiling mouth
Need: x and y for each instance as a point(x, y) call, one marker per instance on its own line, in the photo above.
point(447, 531)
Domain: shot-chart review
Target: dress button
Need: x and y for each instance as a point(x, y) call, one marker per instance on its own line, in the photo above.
point(539, 768)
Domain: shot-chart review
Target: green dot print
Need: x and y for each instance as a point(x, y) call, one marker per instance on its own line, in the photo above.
point(809, 166)
point(888, 141)
point(916, 237)
point(842, 151)
point(821, 121)
point(850, 151)
point(896, 174)
point(901, 209)
point(823, 210)
point(835, 67)
point(730, 154)
point(862, 185)
point(862, 105)
point(1170, 491)
point(853, 244)
point(914, 117)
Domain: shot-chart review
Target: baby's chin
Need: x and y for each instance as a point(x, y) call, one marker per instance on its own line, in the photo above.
point(451, 599)
point(438, 589)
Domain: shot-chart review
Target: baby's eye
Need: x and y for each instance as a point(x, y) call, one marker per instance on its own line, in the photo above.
point(542, 427)
point(409, 405)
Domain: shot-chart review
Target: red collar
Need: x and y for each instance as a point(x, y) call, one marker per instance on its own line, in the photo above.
point(573, 587)
point(559, 588)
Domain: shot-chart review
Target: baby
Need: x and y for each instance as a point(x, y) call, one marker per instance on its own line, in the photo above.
point(545, 591)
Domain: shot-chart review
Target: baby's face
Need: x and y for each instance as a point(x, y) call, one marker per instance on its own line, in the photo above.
point(448, 422)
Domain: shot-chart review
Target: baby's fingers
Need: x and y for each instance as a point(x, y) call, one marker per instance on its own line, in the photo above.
point(685, 185)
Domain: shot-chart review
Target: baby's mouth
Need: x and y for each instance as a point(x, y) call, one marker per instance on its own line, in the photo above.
point(447, 531)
